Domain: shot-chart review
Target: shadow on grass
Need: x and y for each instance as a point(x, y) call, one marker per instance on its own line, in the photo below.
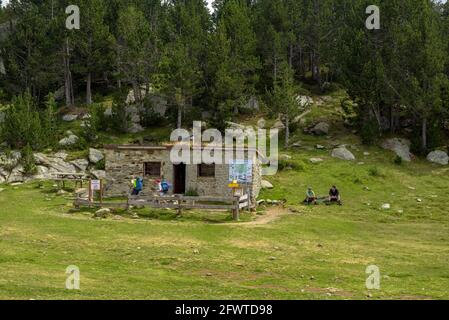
point(166, 215)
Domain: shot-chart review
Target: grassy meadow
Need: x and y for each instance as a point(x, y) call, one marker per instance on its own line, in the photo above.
point(315, 252)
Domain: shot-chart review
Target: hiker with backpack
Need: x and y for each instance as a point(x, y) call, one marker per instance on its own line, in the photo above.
point(164, 187)
point(137, 186)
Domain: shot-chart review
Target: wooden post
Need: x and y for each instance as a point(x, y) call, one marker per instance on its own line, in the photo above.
point(101, 191)
point(236, 212)
point(90, 190)
point(179, 204)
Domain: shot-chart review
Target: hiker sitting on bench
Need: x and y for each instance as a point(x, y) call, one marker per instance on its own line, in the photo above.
point(334, 195)
point(310, 196)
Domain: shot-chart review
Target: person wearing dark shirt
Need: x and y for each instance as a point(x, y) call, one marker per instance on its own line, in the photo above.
point(334, 195)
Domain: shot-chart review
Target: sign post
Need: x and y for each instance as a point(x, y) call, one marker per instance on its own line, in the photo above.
point(95, 185)
point(241, 171)
point(236, 190)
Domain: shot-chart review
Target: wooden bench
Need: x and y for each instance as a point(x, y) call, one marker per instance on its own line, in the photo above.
point(61, 177)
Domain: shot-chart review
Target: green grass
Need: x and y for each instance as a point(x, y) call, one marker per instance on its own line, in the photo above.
point(319, 253)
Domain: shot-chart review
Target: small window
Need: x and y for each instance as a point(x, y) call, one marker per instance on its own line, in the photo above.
point(206, 170)
point(152, 169)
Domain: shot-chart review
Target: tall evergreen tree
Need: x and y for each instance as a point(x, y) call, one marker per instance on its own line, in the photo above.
point(94, 45)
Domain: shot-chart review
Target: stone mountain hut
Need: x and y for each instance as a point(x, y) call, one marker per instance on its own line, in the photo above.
point(123, 162)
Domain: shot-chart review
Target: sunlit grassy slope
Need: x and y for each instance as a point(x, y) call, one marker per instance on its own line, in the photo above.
point(309, 252)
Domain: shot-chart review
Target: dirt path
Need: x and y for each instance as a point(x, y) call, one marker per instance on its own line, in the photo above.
point(271, 215)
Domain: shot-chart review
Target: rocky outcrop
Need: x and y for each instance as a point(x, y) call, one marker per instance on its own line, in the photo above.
point(54, 164)
point(316, 160)
point(10, 160)
point(69, 117)
point(304, 101)
point(98, 174)
point(252, 104)
point(279, 125)
point(320, 129)
point(80, 164)
point(16, 175)
point(11, 170)
point(95, 155)
point(400, 146)
point(266, 184)
point(69, 141)
point(133, 114)
point(343, 154)
point(438, 157)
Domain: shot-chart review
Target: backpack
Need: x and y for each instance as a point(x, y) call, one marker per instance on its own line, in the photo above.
point(139, 184)
point(165, 187)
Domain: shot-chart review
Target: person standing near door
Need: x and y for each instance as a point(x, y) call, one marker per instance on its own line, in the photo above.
point(164, 187)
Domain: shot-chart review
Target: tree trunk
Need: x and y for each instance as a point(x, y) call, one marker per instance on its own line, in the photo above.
point(89, 89)
point(290, 55)
point(287, 131)
point(424, 135)
point(392, 120)
point(136, 89)
point(301, 62)
point(316, 72)
point(180, 111)
point(89, 77)
point(68, 83)
point(275, 67)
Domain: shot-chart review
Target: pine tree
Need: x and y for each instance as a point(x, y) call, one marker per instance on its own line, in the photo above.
point(94, 45)
point(233, 62)
point(133, 47)
point(284, 96)
point(187, 26)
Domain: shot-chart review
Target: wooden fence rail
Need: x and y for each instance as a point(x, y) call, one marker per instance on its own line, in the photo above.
point(177, 202)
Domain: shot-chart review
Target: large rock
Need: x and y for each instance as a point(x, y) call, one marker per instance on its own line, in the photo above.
point(159, 105)
point(252, 104)
point(98, 174)
point(285, 157)
point(3, 175)
point(80, 164)
point(42, 173)
point(108, 112)
point(69, 141)
point(301, 118)
point(266, 184)
point(439, 157)
point(321, 129)
point(304, 101)
point(10, 160)
point(69, 117)
point(279, 125)
point(102, 213)
point(135, 128)
point(235, 126)
point(61, 155)
point(131, 98)
point(133, 113)
point(95, 155)
point(400, 146)
point(16, 175)
point(343, 154)
point(41, 159)
point(316, 160)
point(54, 164)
